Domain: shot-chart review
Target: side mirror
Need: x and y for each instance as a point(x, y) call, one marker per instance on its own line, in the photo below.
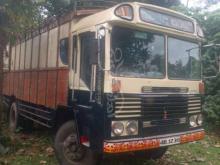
point(101, 46)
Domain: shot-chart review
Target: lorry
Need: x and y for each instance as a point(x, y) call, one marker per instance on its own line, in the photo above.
point(111, 78)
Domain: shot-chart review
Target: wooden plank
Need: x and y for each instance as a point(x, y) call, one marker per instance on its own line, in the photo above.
point(51, 89)
point(11, 79)
point(16, 84)
point(21, 85)
point(62, 87)
point(33, 87)
point(26, 86)
point(42, 83)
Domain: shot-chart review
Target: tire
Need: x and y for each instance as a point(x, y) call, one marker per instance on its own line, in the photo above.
point(16, 121)
point(14, 118)
point(152, 154)
point(66, 147)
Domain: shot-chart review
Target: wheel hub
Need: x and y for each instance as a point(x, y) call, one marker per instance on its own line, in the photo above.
point(72, 150)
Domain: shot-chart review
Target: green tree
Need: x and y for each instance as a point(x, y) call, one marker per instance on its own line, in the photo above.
point(210, 22)
point(56, 7)
point(15, 17)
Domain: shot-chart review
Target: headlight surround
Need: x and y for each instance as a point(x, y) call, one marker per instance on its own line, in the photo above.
point(124, 128)
point(117, 128)
point(199, 120)
point(196, 120)
point(192, 121)
point(132, 128)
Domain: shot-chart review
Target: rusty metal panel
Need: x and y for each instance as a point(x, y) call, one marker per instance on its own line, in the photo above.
point(62, 87)
point(42, 86)
point(26, 86)
point(33, 87)
point(51, 88)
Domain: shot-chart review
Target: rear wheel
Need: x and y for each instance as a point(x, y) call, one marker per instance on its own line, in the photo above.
point(13, 118)
point(16, 121)
point(152, 154)
point(68, 151)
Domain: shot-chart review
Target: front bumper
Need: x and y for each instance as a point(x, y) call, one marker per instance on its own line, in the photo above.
point(128, 145)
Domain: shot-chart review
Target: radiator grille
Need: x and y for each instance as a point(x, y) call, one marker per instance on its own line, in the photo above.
point(157, 107)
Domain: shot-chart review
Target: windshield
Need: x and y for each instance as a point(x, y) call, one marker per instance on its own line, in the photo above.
point(137, 53)
point(183, 60)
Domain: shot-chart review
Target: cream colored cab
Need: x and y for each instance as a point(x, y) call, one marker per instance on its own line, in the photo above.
point(145, 47)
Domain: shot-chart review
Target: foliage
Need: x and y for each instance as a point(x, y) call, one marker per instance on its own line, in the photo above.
point(17, 16)
point(212, 108)
point(210, 22)
point(56, 7)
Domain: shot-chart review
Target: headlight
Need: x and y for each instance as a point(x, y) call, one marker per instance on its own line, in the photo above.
point(132, 128)
point(117, 128)
point(193, 121)
point(199, 120)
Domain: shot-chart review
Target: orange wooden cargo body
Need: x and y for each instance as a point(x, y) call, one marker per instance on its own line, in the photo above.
point(36, 73)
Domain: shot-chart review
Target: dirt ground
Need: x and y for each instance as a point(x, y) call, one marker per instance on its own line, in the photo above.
point(36, 149)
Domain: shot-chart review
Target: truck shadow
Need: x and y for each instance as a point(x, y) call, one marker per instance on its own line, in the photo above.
point(128, 159)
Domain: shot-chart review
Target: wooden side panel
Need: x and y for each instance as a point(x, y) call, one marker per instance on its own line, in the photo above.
point(42, 85)
point(6, 84)
point(62, 87)
point(51, 88)
point(21, 85)
point(16, 84)
point(33, 87)
point(11, 77)
point(26, 86)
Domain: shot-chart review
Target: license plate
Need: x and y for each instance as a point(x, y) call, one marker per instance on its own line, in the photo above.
point(169, 141)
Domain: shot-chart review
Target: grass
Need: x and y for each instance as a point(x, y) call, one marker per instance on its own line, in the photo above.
point(35, 149)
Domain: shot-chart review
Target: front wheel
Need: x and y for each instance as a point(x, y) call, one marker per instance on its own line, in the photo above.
point(68, 151)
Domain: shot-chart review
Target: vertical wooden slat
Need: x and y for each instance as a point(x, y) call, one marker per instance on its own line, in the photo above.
point(33, 88)
point(42, 80)
point(27, 86)
point(51, 88)
point(62, 87)
point(21, 85)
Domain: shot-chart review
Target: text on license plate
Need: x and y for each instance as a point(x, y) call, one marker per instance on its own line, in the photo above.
point(169, 141)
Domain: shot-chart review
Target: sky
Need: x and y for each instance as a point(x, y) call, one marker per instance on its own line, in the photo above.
point(201, 3)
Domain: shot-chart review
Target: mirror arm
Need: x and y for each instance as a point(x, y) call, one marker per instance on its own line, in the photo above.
point(99, 54)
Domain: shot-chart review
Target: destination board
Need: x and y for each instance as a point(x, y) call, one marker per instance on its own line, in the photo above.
point(166, 20)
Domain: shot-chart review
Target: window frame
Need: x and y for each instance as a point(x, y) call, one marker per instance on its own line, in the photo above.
point(148, 31)
point(66, 39)
point(80, 52)
point(186, 40)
